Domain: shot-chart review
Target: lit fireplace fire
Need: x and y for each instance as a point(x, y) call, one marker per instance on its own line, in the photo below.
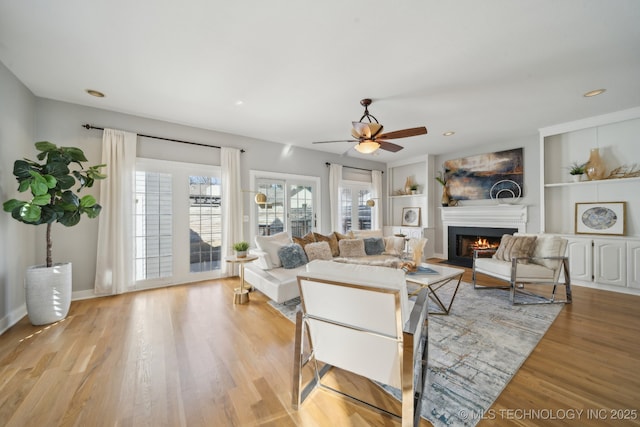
point(482, 243)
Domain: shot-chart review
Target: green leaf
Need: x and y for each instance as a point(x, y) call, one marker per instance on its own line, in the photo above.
point(56, 168)
point(30, 212)
point(42, 200)
point(24, 185)
point(21, 169)
point(38, 184)
point(51, 181)
point(65, 182)
point(45, 146)
point(87, 201)
point(70, 219)
point(76, 154)
point(10, 205)
point(69, 201)
point(93, 211)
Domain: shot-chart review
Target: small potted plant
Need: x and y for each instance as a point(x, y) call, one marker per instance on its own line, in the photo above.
point(414, 188)
point(241, 249)
point(577, 170)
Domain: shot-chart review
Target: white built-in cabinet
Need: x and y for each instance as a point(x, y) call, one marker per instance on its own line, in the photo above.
point(420, 170)
point(601, 261)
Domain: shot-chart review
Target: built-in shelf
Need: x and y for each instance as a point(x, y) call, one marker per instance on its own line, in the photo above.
point(600, 181)
point(407, 196)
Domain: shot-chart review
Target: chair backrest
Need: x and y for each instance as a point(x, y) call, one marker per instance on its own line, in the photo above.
point(356, 315)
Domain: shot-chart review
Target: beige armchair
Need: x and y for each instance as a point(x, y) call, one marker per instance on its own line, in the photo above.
point(358, 318)
point(526, 268)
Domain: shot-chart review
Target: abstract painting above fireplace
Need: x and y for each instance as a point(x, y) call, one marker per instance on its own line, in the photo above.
point(464, 240)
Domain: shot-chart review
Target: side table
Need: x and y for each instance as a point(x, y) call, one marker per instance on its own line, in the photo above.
point(240, 295)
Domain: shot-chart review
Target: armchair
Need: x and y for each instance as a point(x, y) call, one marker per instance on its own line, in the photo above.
point(523, 271)
point(358, 318)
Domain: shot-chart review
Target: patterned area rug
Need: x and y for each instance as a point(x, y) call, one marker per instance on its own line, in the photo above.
point(473, 352)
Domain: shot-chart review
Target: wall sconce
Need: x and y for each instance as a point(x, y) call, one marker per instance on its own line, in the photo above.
point(371, 202)
point(260, 199)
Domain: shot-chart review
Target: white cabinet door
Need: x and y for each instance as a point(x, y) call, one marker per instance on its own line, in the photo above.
point(610, 262)
point(579, 253)
point(633, 264)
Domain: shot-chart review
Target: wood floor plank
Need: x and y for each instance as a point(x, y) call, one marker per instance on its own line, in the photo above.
point(187, 356)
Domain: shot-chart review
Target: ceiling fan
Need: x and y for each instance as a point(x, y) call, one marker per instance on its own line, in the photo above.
point(369, 135)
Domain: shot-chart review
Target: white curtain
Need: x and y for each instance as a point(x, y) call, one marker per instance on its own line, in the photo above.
point(114, 261)
point(232, 221)
point(335, 179)
point(376, 211)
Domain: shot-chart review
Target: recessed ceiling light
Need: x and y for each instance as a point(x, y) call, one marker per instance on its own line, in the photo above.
point(449, 133)
point(594, 93)
point(95, 93)
point(239, 103)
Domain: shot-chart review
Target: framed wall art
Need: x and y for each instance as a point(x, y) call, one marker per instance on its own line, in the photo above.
point(474, 177)
point(601, 218)
point(411, 217)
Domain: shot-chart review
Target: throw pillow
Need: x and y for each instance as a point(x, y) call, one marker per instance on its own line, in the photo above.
point(393, 245)
point(341, 236)
point(351, 247)
point(547, 246)
point(331, 239)
point(292, 256)
point(373, 245)
point(305, 240)
point(318, 250)
point(515, 246)
point(271, 244)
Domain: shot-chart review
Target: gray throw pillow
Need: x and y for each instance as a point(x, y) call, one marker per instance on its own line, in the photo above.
point(374, 245)
point(292, 256)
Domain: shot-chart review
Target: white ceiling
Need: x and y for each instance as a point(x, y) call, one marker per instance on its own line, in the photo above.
point(491, 70)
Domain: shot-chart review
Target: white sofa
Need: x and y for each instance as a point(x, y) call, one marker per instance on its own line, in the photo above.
point(280, 284)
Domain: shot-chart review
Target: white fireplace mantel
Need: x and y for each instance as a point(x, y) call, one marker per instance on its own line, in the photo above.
point(496, 216)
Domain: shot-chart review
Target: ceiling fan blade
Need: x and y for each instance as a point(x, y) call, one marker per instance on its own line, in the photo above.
point(365, 130)
point(404, 133)
point(389, 146)
point(339, 140)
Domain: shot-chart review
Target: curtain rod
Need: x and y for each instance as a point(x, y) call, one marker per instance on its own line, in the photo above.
point(353, 167)
point(88, 126)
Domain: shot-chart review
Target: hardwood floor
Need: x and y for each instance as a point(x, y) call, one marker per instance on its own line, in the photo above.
point(187, 356)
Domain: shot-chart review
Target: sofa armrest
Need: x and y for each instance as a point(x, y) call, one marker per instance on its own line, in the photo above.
point(263, 261)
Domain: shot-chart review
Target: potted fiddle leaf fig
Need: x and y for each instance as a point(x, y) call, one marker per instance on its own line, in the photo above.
point(51, 197)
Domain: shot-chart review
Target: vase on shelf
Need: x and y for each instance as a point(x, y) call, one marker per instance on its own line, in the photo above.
point(445, 196)
point(407, 186)
point(595, 168)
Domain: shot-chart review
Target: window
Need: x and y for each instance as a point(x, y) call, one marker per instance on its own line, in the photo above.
point(291, 203)
point(178, 222)
point(354, 212)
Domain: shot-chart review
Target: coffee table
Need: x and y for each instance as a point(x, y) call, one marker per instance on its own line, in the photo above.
point(434, 282)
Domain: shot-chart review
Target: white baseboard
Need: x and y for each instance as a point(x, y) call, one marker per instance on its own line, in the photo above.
point(12, 318)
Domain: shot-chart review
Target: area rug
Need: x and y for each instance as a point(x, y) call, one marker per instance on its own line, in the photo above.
point(473, 352)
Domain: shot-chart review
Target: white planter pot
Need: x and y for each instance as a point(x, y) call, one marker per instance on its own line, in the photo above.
point(48, 293)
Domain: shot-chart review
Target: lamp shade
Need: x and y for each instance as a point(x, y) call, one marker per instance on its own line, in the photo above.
point(261, 198)
point(367, 146)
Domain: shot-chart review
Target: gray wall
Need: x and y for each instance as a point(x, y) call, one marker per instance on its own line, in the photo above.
point(61, 122)
point(531, 190)
point(17, 240)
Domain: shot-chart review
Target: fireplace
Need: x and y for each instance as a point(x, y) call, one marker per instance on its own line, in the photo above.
point(464, 240)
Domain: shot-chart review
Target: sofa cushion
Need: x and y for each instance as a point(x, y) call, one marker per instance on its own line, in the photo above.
point(271, 244)
point(351, 247)
point(292, 256)
point(394, 245)
point(362, 234)
point(532, 272)
point(331, 239)
point(515, 247)
point(318, 250)
point(305, 240)
point(373, 245)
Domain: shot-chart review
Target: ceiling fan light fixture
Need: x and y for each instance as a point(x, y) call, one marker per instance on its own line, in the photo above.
point(367, 146)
